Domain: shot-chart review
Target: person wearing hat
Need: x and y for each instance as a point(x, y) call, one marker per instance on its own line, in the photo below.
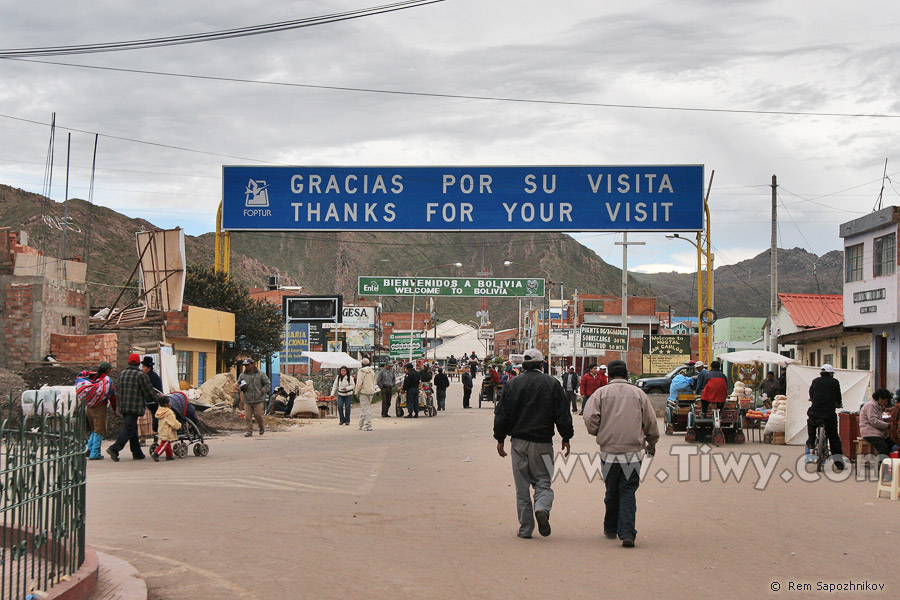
point(365, 389)
point(255, 386)
point(533, 404)
point(96, 391)
point(591, 381)
point(623, 422)
point(825, 399)
point(715, 387)
point(135, 393)
point(156, 382)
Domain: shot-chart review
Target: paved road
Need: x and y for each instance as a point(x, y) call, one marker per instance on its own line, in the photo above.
point(425, 509)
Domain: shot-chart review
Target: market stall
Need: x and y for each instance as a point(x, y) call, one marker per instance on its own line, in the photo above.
point(854, 391)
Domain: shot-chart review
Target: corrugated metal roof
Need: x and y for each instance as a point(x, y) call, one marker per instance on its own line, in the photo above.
point(814, 310)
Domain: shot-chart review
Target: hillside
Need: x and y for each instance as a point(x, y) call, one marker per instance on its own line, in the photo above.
point(742, 289)
point(325, 263)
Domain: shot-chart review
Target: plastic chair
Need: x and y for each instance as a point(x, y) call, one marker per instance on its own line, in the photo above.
point(889, 478)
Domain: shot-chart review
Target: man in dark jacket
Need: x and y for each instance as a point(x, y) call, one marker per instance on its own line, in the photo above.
point(467, 388)
point(532, 405)
point(156, 382)
point(441, 383)
point(134, 393)
point(825, 399)
point(411, 387)
point(715, 387)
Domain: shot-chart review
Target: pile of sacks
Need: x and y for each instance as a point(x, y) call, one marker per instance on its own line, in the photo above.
point(741, 393)
point(777, 416)
point(305, 402)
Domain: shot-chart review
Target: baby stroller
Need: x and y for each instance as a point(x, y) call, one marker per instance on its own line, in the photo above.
point(189, 434)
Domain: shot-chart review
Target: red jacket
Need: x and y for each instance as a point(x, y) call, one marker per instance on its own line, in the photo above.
point(715, 390)
point(591, 383)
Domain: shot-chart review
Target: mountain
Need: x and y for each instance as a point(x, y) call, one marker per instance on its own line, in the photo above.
point(742, 289)
point(328, 263)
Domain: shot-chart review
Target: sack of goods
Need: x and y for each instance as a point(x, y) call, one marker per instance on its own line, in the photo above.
point(777, 416)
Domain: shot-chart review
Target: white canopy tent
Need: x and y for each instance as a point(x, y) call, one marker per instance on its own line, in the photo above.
point(854, 393)
point(333, 360)
point(460, 346)
point(756, 357)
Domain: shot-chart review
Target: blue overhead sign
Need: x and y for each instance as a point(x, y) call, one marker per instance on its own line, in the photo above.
point(585, 198)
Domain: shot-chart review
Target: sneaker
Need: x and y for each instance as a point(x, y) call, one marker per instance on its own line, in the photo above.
point(523, 536)
point(154, 456)
point(138, 457)
point(248, 434)
point(610, 535)
point(113, 454)
point(543, 520)
point(262, 431)
point(628, 543)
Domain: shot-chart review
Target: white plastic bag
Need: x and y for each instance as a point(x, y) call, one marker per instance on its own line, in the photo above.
point(775, 424)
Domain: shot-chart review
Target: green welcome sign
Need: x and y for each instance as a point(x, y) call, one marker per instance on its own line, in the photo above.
point(471, 287)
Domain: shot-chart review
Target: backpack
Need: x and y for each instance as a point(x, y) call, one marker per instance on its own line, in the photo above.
point(92, 390)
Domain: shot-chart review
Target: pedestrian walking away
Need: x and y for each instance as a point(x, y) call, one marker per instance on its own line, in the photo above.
point(533, 404)
point(96, 392)
point(441, 383)
point(386, 382)
point(621, 418)
point(255, 386)
point(135, 393)
point(343, 388)
point(411, 387)
point(365, 389)
point(467, 388)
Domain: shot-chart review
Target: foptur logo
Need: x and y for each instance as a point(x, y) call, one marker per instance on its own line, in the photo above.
point(257, 194)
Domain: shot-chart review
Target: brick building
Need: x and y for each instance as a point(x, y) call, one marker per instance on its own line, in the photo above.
point(40, 296)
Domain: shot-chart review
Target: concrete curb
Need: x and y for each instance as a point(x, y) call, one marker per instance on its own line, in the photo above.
point(118, 580)
point(82, 584)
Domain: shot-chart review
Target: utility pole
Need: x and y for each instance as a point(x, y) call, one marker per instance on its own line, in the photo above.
point(773, 273)
point(625, 243)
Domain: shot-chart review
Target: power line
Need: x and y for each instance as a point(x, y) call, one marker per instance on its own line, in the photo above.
point(796, 113)
point(212, 36)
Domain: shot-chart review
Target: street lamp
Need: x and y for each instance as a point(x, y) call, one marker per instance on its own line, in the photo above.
point(412, 315)
point(546, 291)
point(705, 346)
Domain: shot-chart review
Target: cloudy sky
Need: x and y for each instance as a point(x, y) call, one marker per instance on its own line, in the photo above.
point(772, 88)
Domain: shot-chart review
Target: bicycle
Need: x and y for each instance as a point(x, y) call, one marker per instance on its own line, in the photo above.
point(822, 450)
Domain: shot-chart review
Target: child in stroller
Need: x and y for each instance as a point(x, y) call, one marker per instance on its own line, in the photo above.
point(190, 427)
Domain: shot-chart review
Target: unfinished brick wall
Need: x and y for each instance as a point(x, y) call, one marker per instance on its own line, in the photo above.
point(85, 349)
point(19, 327)
point(177, 323)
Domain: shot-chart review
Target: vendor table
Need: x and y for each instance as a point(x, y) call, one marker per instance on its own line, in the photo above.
point(329, 403)
point(753, 428)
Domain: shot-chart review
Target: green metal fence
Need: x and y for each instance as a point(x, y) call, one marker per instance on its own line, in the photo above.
point(42, 483)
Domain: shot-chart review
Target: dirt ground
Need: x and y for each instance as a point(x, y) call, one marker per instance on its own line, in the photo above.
point(424, 508)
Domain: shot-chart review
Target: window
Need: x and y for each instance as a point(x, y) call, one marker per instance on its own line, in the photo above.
point(184, 365)
point(853, 261)
point(885, 259)
point(592, 306)
point(843, 357)
point(862, 359)
point(201, 367)
point(829, 358)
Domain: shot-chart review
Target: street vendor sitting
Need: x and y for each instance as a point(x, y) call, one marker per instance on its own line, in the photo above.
point(715, 387)
point(872, 427)
point(681, 384)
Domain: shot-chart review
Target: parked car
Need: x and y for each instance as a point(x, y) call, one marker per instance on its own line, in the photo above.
point(660, 385)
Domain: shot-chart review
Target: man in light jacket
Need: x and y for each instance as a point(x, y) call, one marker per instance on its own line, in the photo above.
point(256, 386)
point(365, 389)
point(620, 416)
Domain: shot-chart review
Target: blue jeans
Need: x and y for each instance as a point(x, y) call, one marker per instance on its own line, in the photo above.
point(129, 434)
point(343, 403)
point(622, 482)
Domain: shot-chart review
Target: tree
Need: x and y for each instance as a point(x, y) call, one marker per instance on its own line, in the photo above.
point(258, 325)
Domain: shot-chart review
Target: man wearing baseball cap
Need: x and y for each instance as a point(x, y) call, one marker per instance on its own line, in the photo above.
point(825, 399)
point(532, 404)
point(134, 394)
